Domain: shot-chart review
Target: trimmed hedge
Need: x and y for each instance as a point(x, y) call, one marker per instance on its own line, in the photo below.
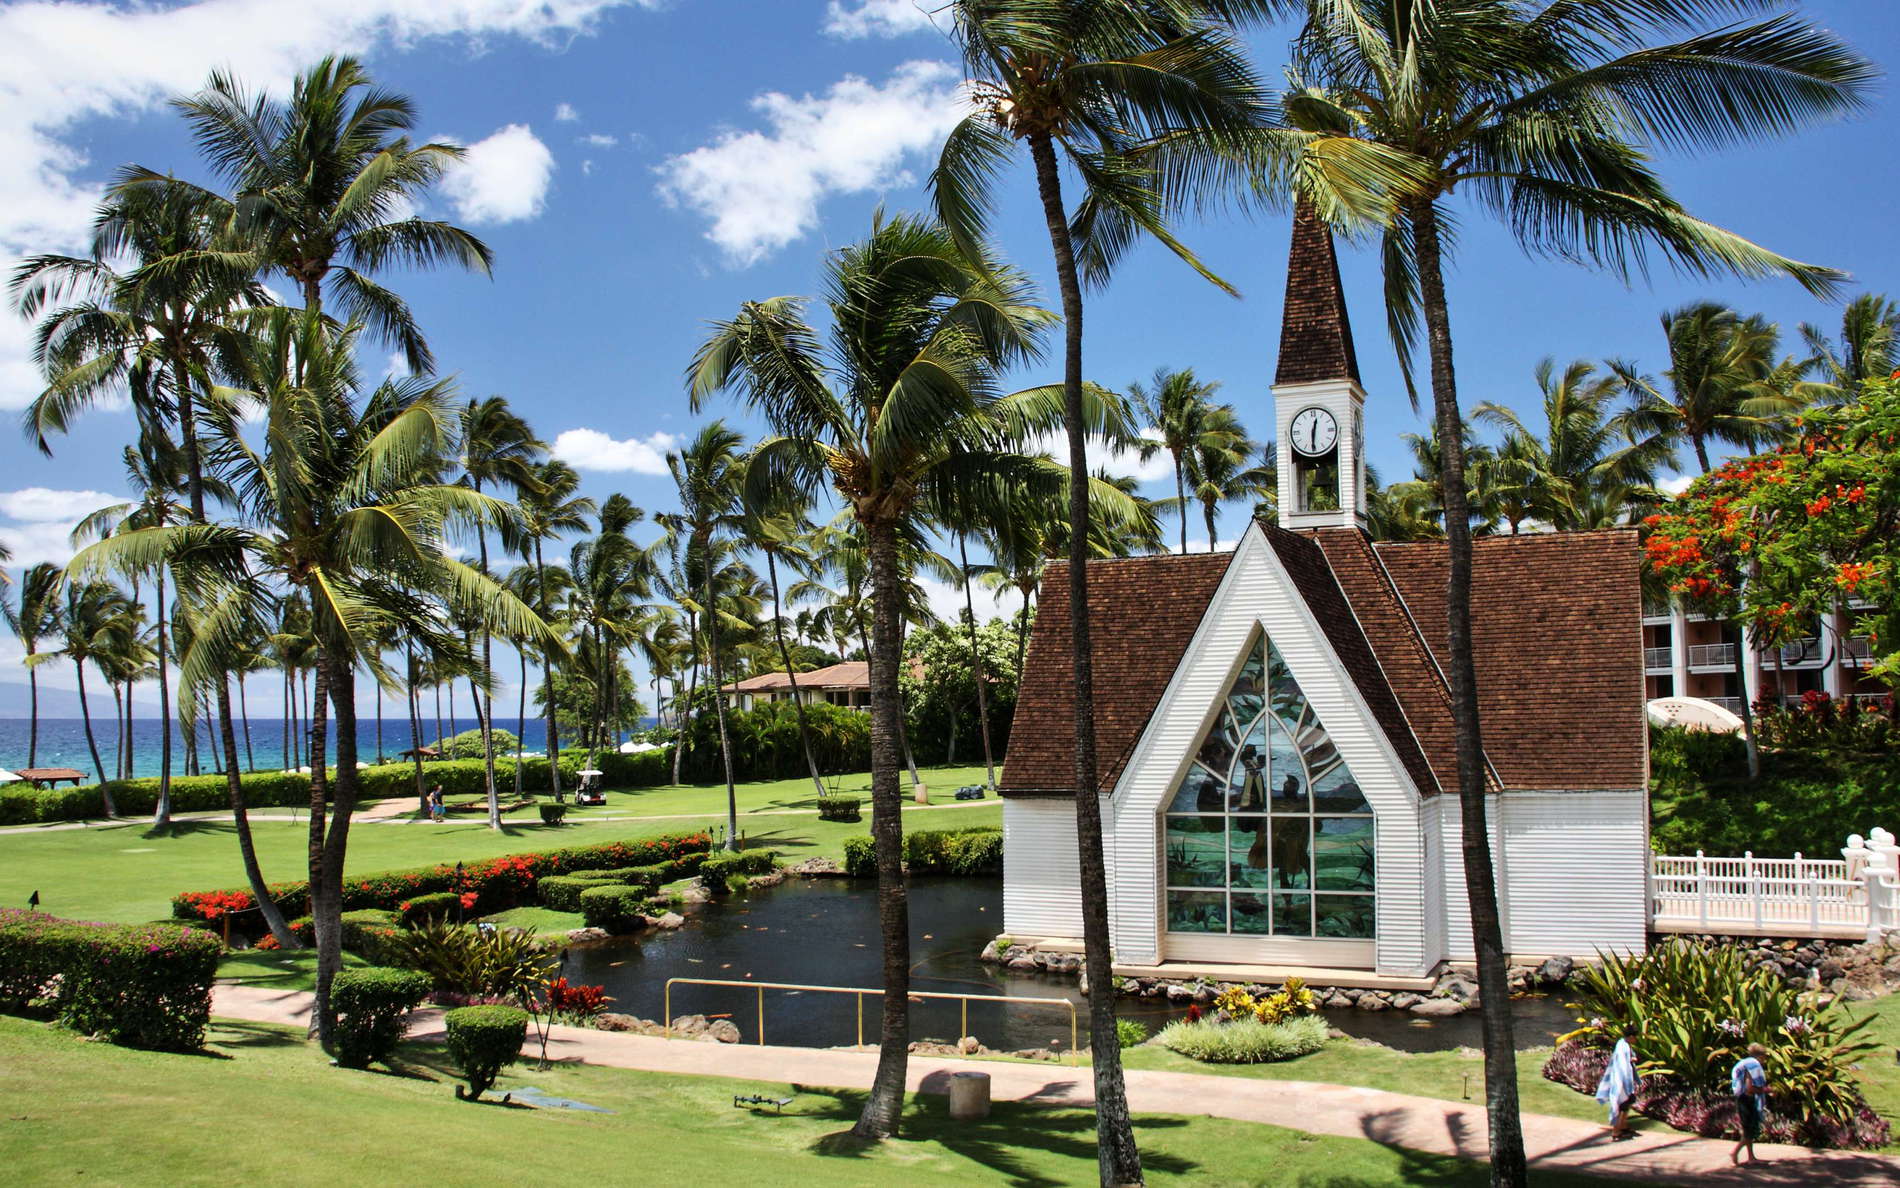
point(483, 1040)
point(499, 883)
point(717, 871)
point(974, 851)
point(290, 789)
point(615, 907)
point(372, 1011)
point(562, 893)
point(436, 905)
point(141, 985)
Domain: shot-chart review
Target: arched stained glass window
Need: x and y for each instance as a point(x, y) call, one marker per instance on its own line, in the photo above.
point(1268, 833)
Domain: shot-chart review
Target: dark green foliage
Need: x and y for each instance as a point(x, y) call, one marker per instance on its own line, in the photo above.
point(468, 745)
point(141, 985)
point(718, 871)
point(615, 907)
point(974, 851)
point(476, 963)
point(563, 892)
point(1807, 800)
point(1130, 1033)
point(942, 701)
point(553, 814)
point(372, 1005)
point(765, 743)
point(483, 1040)
point(840, 808)
point(436, 905)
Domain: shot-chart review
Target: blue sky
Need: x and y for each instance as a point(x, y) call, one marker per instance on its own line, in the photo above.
point(642, 167)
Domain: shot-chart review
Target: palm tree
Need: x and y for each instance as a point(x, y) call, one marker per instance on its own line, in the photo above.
point(776, 524)
point(1176, 409)
point(608, 573)
point(1869, 346)
point(321, 177)
point(1724, 383)
point(1219, 466)
point(897, 415)
point(32, 615)
point(344, 506)
point(94, 617)
point(1542, 114)
point(710, 473)
point(498, 449)
point(551, 507)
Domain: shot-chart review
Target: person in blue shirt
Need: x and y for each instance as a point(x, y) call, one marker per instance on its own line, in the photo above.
point(1748, 1080)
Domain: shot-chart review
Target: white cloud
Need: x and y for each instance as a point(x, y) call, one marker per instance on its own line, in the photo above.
point(762, 189)
point(946, 601)
point(43, 520)
point(1116, 460)
point(877, 18)
point(502, 179)
point(66, 63)
point(565, 113)
point(600, 140)
point(1678, 484)
point(590, 449)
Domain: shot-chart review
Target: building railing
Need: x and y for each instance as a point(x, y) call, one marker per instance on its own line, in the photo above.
point(1857, 894)
point(1857, 649)
point(1712, 655)
point(1658, 657)
point(859, 993)
point(1802, 652)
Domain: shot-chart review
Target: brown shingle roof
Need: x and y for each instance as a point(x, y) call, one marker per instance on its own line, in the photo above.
point(849, 674)
point(1143, 611)
point(1315, 333)
point(1557, 632)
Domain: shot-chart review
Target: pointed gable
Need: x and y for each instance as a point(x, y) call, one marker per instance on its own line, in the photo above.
point(1315, 332)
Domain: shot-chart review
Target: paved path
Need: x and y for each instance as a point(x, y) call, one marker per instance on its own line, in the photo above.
point(1393, 1119)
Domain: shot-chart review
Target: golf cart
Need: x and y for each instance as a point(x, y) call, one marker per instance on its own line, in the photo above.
point(590, 792)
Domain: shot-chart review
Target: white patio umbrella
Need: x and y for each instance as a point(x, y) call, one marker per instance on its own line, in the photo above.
point(1693, 713)
point(7, 777)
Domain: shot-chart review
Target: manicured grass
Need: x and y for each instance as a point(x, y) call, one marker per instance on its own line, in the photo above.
point(293, 970)
point(120, 1116)
point(539, 920)
point(127, 872)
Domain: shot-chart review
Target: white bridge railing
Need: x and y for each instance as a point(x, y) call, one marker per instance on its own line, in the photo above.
point(1855, 895)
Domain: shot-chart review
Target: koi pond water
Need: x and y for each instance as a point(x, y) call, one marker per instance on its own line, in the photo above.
point(824, 932)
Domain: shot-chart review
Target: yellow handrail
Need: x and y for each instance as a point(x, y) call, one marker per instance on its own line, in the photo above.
point(859, 993)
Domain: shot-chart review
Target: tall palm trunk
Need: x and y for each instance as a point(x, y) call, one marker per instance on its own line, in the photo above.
point(521, 719)
point(785, 657)
point(547, 684)
point(98, 765)
point(883, 1108)
point(485, 708)
point(414, 700)
point(1180, 498)
point(336, 842)
point(976, 662)
point(244, 713)
point(1210, 509)
point(1118, 1159)
point(33, 709)
point(379, 722)
point(1494, 989)
point(719, 709)
point(162, 816)
point(326, 901)
point(684, 719)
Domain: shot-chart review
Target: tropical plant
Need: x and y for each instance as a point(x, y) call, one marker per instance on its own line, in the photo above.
point(1176, 409)
point(94, 620)
point(33, 615)
point(777, 524)
point(550, 507)
point(1541, 115)
point(1244, 1041)
point(1219, 465)
point(1869, 348)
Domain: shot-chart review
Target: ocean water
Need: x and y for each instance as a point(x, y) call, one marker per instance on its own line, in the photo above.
point(62, 742)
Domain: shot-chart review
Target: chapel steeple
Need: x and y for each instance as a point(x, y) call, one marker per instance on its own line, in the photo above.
point(1318, 401)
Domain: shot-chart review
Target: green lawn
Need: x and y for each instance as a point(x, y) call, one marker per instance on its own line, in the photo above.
point(263, 1107)
point(128, 872)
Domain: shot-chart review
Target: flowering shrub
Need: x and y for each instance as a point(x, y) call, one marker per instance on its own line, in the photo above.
point(141, 985)
point(1691, 1012)
point(496, 883)
point(579, 1003)
point(1817, 720)
point(1245, 1040)
point(1290, 1001)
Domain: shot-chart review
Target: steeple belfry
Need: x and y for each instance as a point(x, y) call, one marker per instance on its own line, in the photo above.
point(1318, 402)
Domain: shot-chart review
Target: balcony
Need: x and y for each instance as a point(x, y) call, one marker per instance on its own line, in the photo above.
point(1720, 655)
point(1732, 704)
point(1857, 650)
point(1658, 659)
point(1802, 653)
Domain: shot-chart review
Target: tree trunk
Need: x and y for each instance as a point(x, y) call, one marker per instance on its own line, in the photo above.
point(253, 873)
point(326, 899)
point(415, 722)
point(883, 1108)
point(244, 712)
point(692, 687)
point(85, 712)
point(1210, 509)
point(719, 704)
point(1500, 1054)
point(785, 657)
point(553, 740)
point(1750, 743)
point(485, 710)
point(328, 921)
point(1180, 498)
point(1701, 451)
point(33, 711)
point(1118, 1159)
point(379, 720)
point(521, 717)
point(976, 664)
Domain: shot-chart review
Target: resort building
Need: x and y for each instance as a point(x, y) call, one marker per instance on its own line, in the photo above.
point(1692, 655)
point(847, 683)
point(1278, 774)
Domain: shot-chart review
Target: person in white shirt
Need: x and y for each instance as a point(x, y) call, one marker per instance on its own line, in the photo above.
point(1749, 1082)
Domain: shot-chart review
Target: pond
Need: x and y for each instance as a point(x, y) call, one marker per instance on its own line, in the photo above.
point(824, 932)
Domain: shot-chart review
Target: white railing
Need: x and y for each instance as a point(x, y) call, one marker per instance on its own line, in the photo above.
point(1657, 657)
point(1711, 655)
point(1799, 653)
point(1857, 649)
point(1732, 704)
point(1855, 895)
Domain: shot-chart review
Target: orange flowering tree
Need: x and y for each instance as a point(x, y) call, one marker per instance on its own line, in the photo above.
point(1778, 539)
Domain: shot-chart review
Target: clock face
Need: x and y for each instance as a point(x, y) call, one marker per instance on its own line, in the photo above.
point(1314, 432)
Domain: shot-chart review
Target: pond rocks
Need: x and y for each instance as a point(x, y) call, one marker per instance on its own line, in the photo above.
point(583, 935)
point(694, 1027)
point(1869, 968)
point(1374, 1000)
point(1556, 971)
point(1437, 1008)
point(1405, 1002)
point(815, 868)
point(666, 921)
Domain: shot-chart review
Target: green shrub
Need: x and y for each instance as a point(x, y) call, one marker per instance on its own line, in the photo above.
point(1807, 800)
point(141, 985)
point(615, 907)
point(482, 1041)
point(436, 905)
point(373, 935)
point(553, 814)
point(974, 851)
point(840, 808)
point(1245, 1041)
point(476, 962)
point(719, 871)
point(1130, 1033)
point(1691, 1013)
point(372, 1011)
point(563, 892)
point(765, 744)
point(860, 857)
point(468, 744)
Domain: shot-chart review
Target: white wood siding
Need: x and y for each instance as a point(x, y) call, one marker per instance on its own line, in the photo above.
point(1257, 593)
point(1041, 869)
point(1572, 875)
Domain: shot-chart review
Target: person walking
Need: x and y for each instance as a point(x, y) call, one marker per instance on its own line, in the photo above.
point(1617, 1089)
point(436, 810)
point(1748, 1080)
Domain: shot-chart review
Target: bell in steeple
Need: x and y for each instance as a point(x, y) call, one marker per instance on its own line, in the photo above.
point(1318, 403)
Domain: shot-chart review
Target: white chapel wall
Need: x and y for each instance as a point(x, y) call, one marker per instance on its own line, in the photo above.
point(1042, 875)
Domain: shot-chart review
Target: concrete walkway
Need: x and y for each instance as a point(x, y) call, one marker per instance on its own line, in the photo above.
point(1394, 1119)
